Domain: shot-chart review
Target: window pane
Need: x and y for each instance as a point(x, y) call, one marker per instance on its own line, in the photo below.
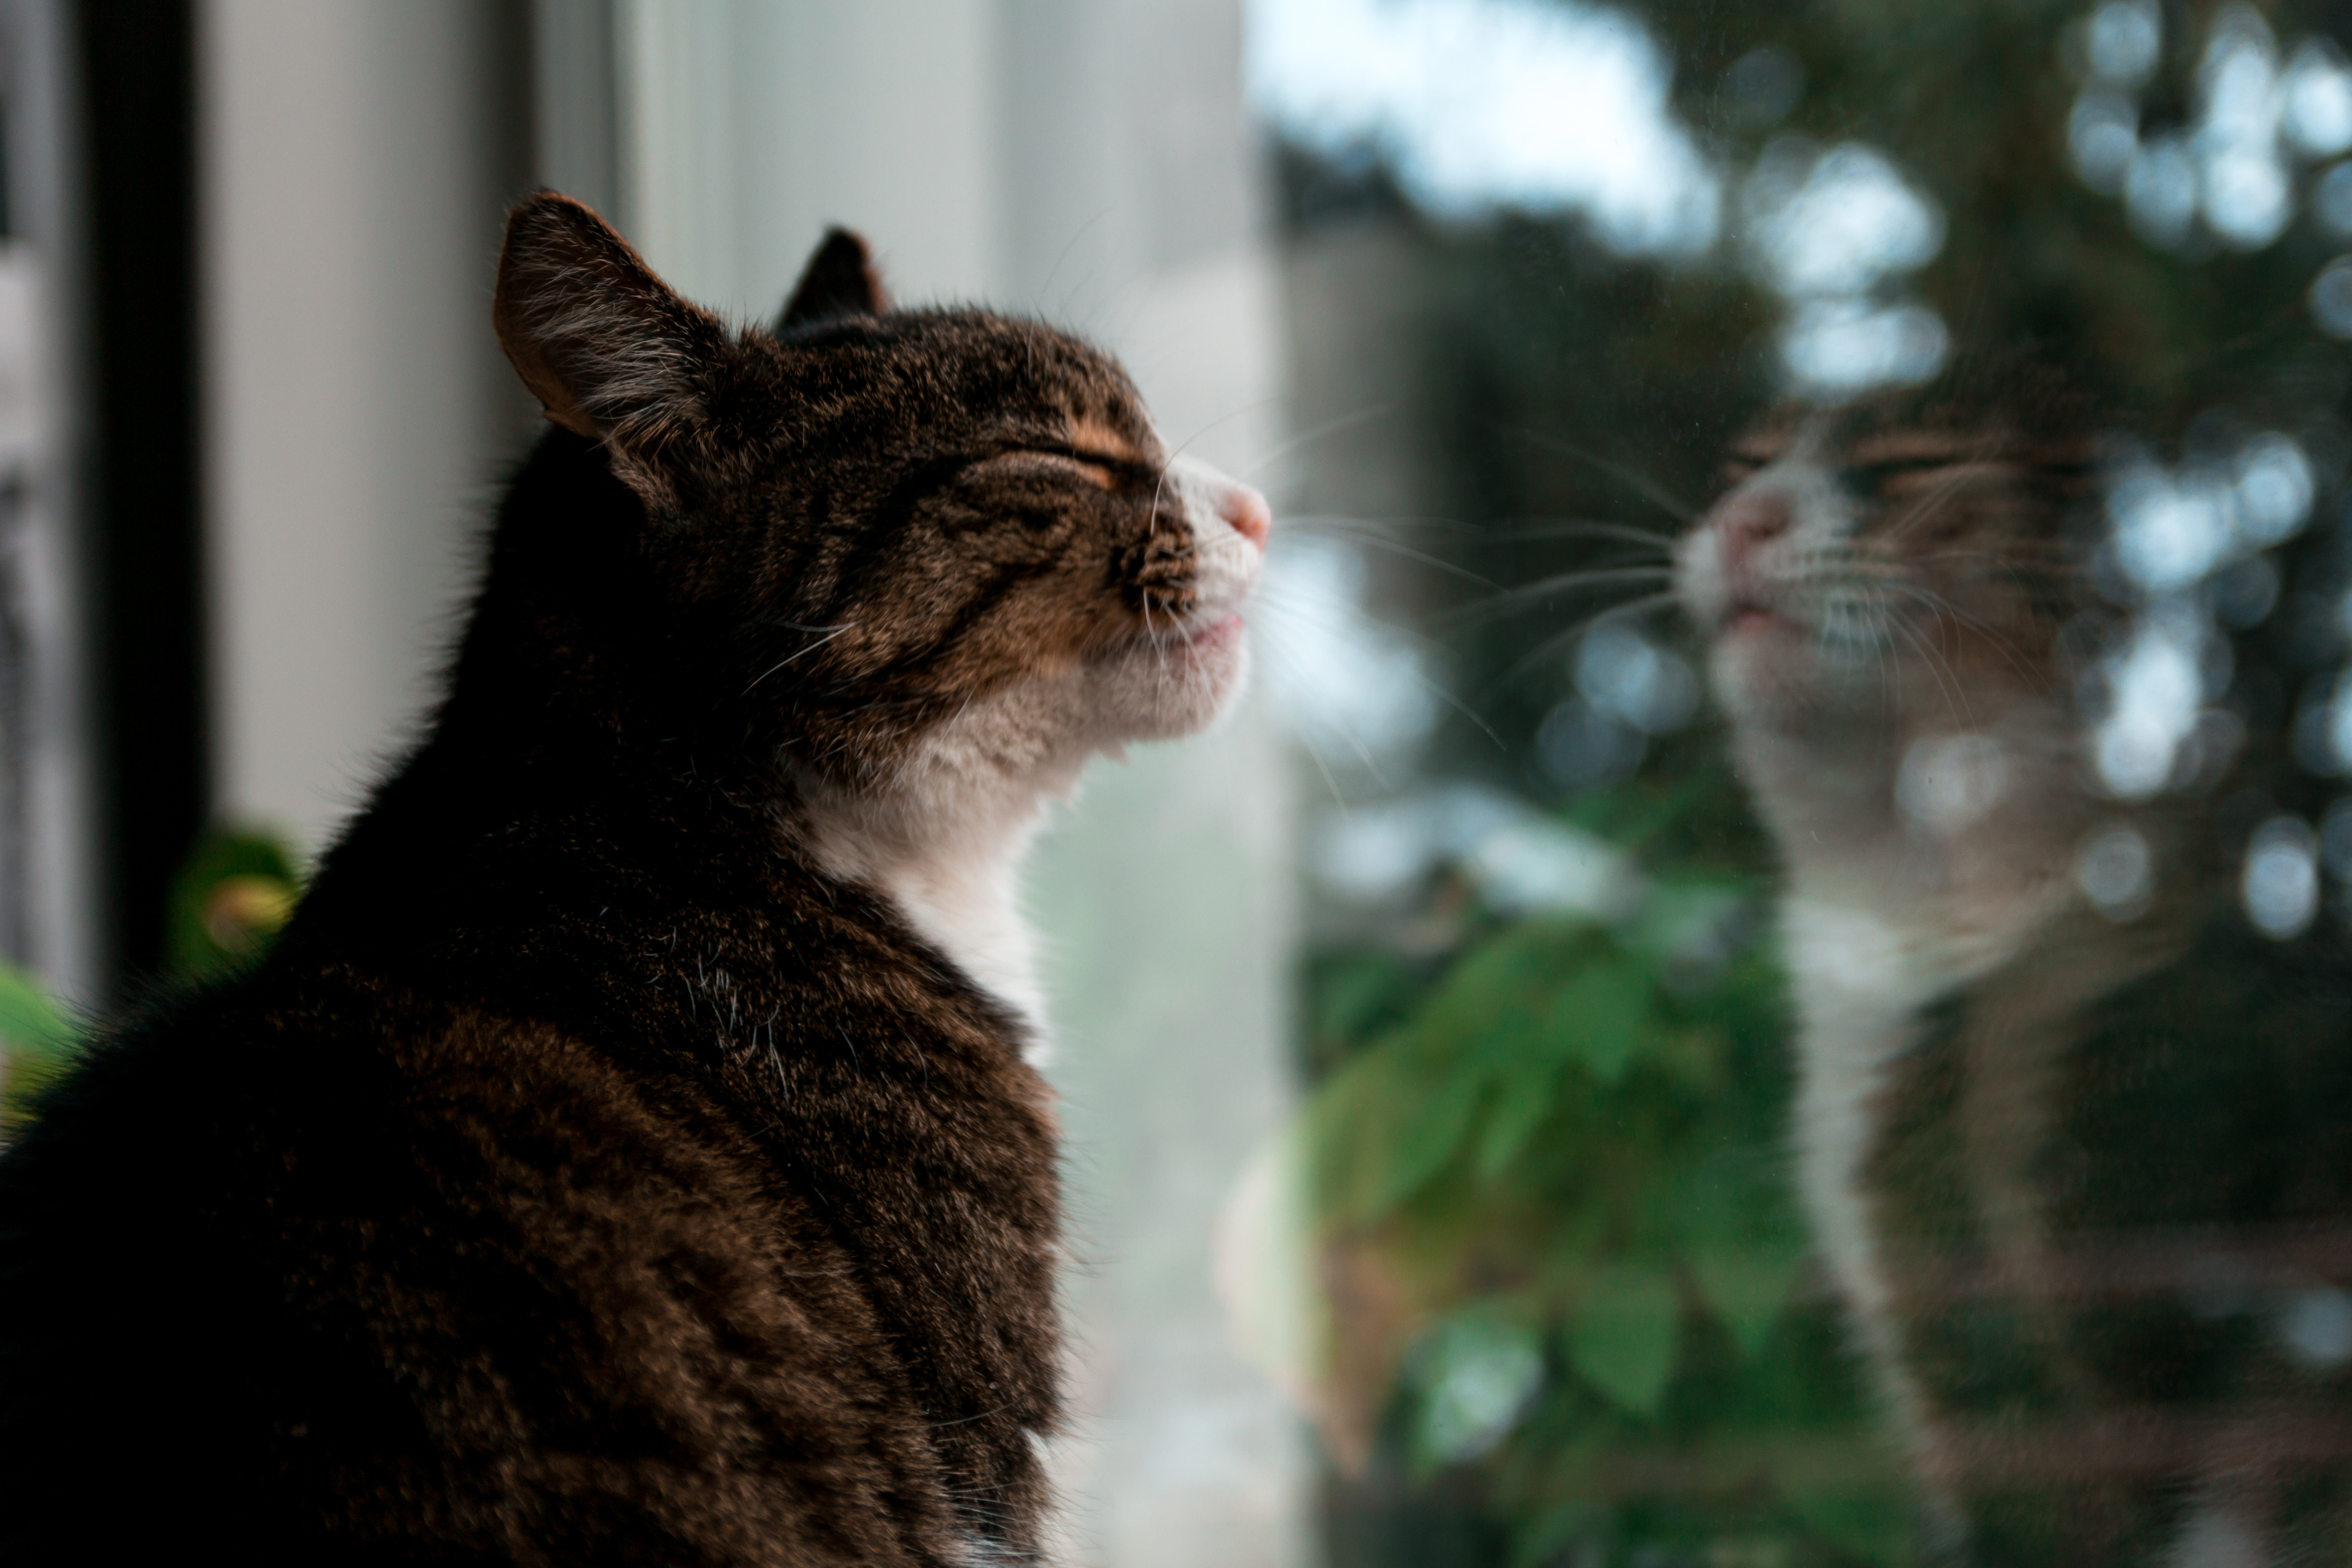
point(1815, 609)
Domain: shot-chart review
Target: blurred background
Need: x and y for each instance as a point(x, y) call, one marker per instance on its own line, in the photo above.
point(1431, 1210)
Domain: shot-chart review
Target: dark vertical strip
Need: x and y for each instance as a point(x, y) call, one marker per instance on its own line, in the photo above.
point(138, 98)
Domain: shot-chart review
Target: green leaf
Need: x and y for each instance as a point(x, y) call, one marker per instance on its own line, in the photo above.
point(1352, 1127)
point(1477, 1373)
point(1428, 1140)
point(1525, 1101)
point(1873, 1525)
point(1359, 994)
point(1746, 1287)
point(1567, 1524)
point(31, 1024)
point(1494, 984)
point(1599, 1013)
point(1623, 1333)
point(228, 901)
point(37, 1041)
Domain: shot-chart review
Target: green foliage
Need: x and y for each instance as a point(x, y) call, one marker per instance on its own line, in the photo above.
point(1562, 1139)
point(227, 903)
point(1623, 1332)
point(37, 1041)
point(237, 886)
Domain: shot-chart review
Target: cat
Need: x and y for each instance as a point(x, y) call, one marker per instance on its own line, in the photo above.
point(627, 1153)
point(2079, 1168)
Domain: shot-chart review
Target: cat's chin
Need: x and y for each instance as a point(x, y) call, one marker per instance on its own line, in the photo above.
point(1166, 690)
point(1764, 670)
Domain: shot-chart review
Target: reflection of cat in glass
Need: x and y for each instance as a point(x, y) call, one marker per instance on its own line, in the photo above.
point(2075, 1138)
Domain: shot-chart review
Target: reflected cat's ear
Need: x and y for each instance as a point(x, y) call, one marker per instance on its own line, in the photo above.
point(839, 281)
point(606, 346)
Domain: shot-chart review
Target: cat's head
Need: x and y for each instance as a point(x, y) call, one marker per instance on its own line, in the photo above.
point(888, 534)
point(1897, 566)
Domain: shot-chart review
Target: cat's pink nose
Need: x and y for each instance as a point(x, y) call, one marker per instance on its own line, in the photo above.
point(1246, 511)
point(1748, 521)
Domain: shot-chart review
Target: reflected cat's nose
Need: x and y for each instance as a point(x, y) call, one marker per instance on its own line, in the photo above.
point(1748, 521)
point(1246, 511)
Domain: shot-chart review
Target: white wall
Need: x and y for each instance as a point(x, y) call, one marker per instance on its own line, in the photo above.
point(752, 124)
point(354, 161)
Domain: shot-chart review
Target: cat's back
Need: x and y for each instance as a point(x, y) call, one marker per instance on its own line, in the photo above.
point(323, 1248)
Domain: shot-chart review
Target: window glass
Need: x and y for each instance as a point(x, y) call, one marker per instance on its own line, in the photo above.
point(1818, 614)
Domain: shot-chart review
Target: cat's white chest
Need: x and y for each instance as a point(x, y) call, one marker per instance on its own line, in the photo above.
point(1859, 984)
point(954, 876)
point(969, 907)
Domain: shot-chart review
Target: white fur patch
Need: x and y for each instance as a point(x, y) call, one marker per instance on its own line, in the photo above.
point(1859, 985)
point(1860, 982)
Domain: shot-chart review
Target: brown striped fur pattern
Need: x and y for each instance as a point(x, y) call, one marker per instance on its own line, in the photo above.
point(627, 1154)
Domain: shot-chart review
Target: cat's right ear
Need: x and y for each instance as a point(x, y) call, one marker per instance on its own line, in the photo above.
point(607, 348)
point(839, 281)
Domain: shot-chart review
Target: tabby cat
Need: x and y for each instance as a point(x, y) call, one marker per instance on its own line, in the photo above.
point(2079, 1164)
point(627, 1154)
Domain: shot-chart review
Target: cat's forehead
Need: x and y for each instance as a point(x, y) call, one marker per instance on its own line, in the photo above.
point(992, 369)
point(1882, 431)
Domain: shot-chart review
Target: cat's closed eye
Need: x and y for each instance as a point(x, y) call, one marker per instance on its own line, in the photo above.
point(1105, 470)
point(1871, 481)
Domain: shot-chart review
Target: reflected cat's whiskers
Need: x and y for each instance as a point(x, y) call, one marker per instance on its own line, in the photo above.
point(2008, 646)
point(1559, 640)
point(1583, 528)
point(1510, 601)
point(1942, 495)
point(1649, 489)
point(1955, 693)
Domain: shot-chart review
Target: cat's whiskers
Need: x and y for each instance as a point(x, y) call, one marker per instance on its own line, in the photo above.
point(1245, 409)
point(1858, 581)
point(1356, 525)
point(1300, 611)
point(1329, 427)
point(1585, 528)
point(1312, 523)
point(1955, 693)
point(1850, 583)
point(1963, 470)
point(1511, 600)
point(1279, 596)
point(830, 633)
point(1640, 484)
point(1553, 643)
point(2007, 647)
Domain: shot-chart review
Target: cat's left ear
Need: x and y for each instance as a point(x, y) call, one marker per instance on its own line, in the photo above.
point(607, 348)
point(839, 281)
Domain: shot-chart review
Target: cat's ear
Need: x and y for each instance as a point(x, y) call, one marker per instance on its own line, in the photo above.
point(606, 346)
point(839, 281)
